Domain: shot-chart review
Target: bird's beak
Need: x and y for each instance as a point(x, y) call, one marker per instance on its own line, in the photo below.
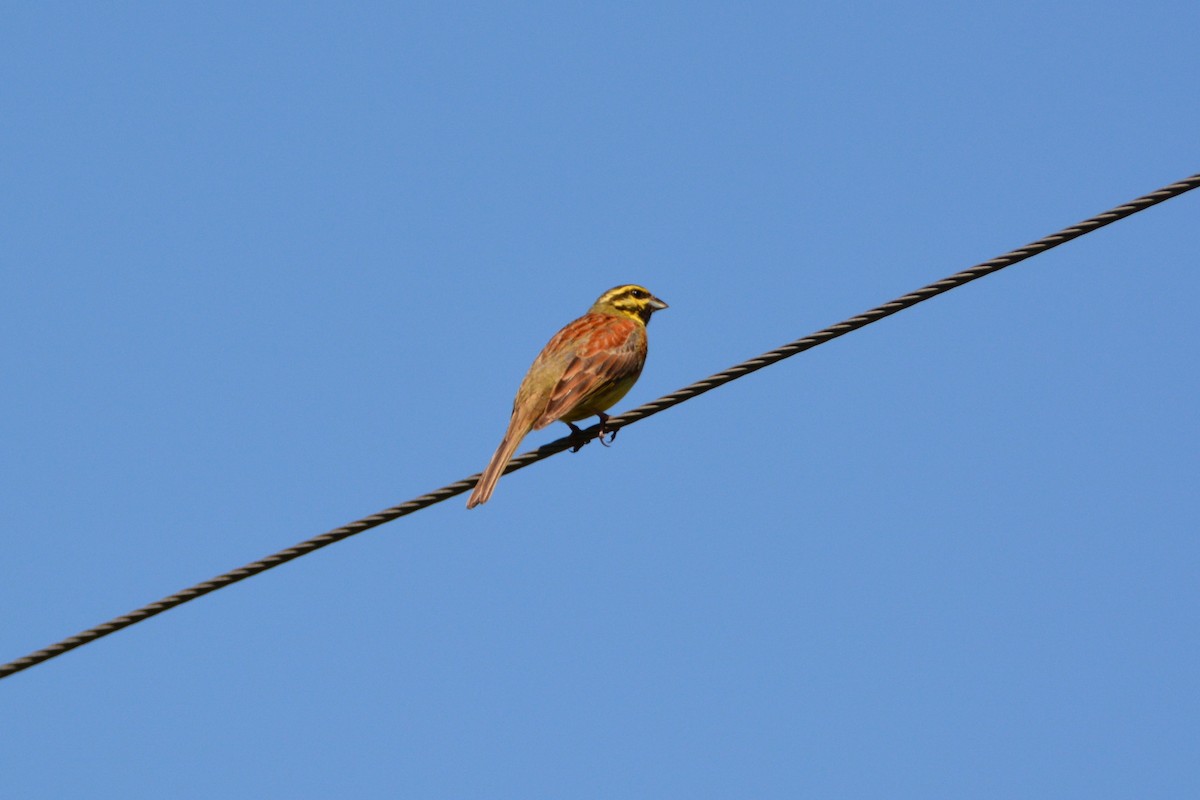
point(657, 305)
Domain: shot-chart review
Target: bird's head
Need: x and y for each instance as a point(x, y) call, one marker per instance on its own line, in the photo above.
point(629, 300)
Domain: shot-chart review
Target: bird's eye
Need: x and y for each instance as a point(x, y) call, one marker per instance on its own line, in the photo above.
point(639, 294)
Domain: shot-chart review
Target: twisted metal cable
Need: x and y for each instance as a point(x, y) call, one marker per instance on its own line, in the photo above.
point(614, 423)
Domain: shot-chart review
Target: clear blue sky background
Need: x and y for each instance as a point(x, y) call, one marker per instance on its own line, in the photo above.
point(271, 268)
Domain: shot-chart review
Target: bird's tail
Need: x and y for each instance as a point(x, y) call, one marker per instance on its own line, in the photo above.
point(517, 429)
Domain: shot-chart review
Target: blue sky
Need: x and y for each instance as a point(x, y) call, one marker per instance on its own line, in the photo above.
point(271, 269)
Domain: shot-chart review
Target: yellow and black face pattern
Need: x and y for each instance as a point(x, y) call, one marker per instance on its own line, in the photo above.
point(629, 300)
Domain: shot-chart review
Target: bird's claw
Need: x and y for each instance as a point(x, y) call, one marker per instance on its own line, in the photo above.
point(578, 439)
point(604, 429)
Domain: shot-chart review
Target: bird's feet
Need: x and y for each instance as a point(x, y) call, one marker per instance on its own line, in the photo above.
point(604, 429)
point(578, 438)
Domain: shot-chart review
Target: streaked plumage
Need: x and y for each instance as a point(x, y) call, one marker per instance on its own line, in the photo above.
point(586, 368)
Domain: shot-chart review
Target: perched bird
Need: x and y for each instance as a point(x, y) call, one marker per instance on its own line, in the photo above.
point(586, 368)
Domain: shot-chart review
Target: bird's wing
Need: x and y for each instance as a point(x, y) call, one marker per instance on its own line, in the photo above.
point(607, 349)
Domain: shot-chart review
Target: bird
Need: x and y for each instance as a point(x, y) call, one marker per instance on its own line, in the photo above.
point(581, 372)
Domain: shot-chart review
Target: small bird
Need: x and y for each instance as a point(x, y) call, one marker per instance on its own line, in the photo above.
point(587, 367)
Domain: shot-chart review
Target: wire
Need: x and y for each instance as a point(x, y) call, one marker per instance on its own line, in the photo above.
point(614, 423)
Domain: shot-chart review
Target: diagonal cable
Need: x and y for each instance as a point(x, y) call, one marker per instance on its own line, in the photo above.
point(616, 422)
